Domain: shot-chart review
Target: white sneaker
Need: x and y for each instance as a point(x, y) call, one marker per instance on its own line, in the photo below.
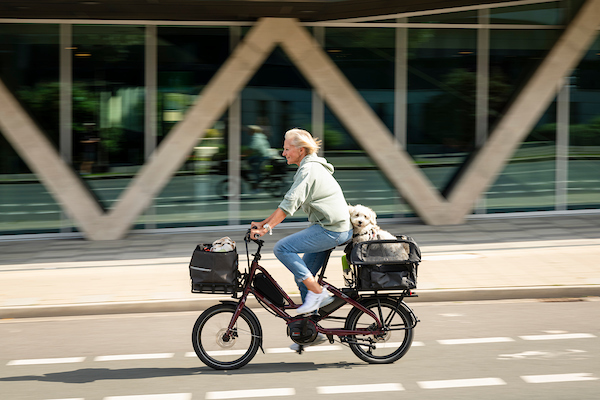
point(318, 340)
point(313, 301)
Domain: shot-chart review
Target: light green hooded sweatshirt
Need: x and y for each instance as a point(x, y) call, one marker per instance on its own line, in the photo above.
point(318, 193)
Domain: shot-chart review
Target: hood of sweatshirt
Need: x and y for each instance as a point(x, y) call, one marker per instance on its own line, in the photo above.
point(316, 159)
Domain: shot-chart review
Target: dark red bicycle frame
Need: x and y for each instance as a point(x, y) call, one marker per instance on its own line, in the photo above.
point(280, 311)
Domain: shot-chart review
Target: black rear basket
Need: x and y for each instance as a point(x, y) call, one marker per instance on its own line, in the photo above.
point(214, 272)
point(385, 264)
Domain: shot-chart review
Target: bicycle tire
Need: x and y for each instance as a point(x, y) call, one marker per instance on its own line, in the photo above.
point(207, 337)
point(390, 346)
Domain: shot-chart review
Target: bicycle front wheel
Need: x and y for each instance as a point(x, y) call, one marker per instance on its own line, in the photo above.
point(393, 343)
point(221, 351)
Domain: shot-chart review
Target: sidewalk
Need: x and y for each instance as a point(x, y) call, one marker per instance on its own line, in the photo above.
point(485, 259)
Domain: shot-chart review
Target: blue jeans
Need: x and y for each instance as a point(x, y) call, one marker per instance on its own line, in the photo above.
point(314, 242)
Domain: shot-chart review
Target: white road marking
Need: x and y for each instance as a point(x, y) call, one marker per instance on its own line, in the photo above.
point(167, 396)
point(123, 357)
point(447, 257)
point(77, 398)
point(377, 387)
point(458, 383)
point(476, 340)
point(578, 377)
point(559, 336)
point(523, 355)
point(538, 355)
point(242, 394)
point(324, 348)
point(40, 361)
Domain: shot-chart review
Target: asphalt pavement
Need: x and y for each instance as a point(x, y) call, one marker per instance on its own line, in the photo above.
point(550, 256)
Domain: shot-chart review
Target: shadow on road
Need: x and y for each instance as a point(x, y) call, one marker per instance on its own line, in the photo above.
point(88, 375)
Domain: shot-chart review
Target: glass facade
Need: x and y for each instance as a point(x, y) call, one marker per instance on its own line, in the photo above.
point(425, 68)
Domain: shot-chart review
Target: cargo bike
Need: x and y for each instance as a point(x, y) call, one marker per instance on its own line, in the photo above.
point(378, 328)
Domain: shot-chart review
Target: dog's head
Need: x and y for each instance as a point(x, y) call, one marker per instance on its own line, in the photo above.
point(362, 217)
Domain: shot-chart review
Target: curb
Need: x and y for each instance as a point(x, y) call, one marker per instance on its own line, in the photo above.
point(425, 296)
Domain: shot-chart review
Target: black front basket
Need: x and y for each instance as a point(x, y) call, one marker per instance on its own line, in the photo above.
point(214, 272)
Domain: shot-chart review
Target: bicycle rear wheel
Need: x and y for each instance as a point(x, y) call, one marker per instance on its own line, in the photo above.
point(218, 351)
point(393, 343)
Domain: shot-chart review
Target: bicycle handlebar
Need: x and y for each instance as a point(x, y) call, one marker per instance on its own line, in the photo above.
point(255, 239)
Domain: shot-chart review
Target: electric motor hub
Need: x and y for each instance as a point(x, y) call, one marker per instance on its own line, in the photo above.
point(302, 331)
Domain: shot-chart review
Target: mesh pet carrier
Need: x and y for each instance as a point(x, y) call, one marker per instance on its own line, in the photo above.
point(385, 264)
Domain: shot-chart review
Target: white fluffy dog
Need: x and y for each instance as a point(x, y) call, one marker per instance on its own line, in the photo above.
point(364, 224)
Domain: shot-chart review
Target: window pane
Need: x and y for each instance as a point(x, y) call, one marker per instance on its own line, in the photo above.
point(584, 133)
point(552, 13)
point(108, 107)
point(442, 74)
point(188, 57)
point(464, 17)
point(29, 67)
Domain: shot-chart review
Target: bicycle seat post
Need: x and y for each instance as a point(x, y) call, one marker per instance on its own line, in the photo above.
point(325, 262)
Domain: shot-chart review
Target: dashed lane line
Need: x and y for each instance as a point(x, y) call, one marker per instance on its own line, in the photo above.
point(245, 394)
point(371, 388)
point(559, 336)
point(578, 377)
point(460, 383)
point(76, 398)
point(166, 396)
point(40, 361)
point(125, 357)
point(476, 340)
point(278, 350)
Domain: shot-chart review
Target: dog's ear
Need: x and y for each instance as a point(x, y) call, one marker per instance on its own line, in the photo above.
point(351, 209)
point(372, 217)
